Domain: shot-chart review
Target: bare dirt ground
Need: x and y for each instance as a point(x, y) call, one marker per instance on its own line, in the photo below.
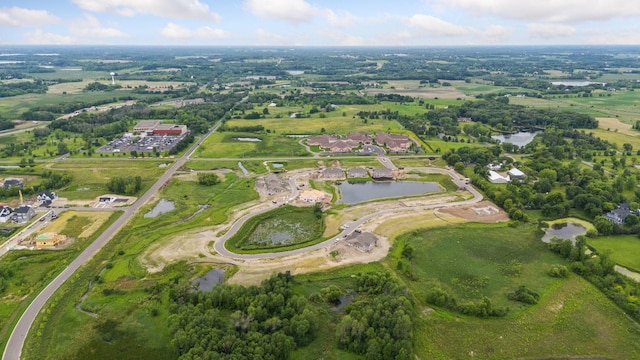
point(484, 211)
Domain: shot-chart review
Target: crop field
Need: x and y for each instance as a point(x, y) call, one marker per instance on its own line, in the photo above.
point(618, 138)
point(227, 145)
point(623, 249)
point(90, 178)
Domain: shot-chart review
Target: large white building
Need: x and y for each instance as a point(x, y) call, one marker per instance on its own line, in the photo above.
point(496, 178)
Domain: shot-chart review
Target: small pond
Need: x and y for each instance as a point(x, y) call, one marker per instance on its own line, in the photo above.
point(163, 206)
point(209, 280)
point(575, 83)
point(277, 165)
point(567, 231)
point(520, 138)
point(295, 72)
point(345, 299)
point(248, 139)
point(360, 192)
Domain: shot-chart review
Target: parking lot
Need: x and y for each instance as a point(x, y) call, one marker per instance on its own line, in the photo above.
point(142, 143)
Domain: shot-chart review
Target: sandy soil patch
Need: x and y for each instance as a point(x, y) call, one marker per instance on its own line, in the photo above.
point(484, 211)
point(613, 124)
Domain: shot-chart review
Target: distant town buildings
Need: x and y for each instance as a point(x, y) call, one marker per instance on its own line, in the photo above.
point(332, 143)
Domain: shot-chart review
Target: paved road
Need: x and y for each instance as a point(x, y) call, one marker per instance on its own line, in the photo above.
point(19, 334)
point(222, 250)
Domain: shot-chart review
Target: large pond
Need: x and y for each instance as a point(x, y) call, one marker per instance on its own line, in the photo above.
point(248, 139)
point(360, 192)
point(209, 280)
point(163, 206)
point(520, 138)
point(566, 231)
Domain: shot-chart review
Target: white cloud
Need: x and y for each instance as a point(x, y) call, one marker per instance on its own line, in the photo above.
point(293, 11)
point(177, 32)
point(599, 37)
point(340, 38)
point(90, 26)
point(341, 19)
point(550, 31)
point(495, 33)
point(570, 11)
point(39, 37)
point(268, 38)
point(22, 17)
point(180, 9)
point(436, 26)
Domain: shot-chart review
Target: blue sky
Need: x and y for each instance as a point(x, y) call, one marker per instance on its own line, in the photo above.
point(320, 23)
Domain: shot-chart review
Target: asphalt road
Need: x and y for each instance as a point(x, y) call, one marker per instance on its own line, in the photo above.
point(15, 344)
point(220, 248)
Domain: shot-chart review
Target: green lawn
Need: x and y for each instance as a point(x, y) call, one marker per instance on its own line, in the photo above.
point(90, 178)
point(227, 145)
point(623, 249)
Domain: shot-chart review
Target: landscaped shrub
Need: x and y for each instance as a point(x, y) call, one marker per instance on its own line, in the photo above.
point(524, 295)
point(558, 271)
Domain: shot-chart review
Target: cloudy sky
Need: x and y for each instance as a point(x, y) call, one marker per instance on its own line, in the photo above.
point(320, 22)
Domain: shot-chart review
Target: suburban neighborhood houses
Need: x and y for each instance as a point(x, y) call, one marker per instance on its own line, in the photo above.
point(360, 142)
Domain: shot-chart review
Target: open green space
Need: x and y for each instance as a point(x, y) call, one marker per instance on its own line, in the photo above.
point(280, 229)
point(333, 123)
point(622, 249)
point(472, 261)
point(90, 178)
point(253, 166)
point(227, 145)
point(130, 302)
point(32, 271)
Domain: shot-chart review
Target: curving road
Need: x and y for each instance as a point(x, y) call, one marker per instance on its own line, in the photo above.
point(220, 248)
point(13, 350)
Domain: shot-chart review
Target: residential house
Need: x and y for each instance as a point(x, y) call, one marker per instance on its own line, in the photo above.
point(382, 174)
point(359, 137)
point(358, 172)
point(342, 146)
point(464, 119)
point(6, 213)
point(618, 215)
point(333, 173)
point(49, 239)
point(24, 213)
point(394, 142)
point(496, 178)
point(46, 198)
point(13, 182)
point(364, 241)
point(106, 199)
point(514, 173)
point(494, 167)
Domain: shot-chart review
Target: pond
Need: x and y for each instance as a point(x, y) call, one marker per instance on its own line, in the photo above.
point(248, 139)
point(575, 83)
point(360, 192)
point(163, 206)
point(520, 138)
point(277, 165)
point(209, 280)
point(567, 231)
point(295, 72)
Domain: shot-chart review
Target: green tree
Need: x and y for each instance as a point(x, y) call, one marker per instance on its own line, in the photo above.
point(604, 226)
point(208, 179)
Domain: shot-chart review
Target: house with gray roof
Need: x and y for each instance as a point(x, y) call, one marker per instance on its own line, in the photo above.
point(333, 173)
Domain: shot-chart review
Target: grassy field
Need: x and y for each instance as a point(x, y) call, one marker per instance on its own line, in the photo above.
point(333, 123)
point(77, 224)
point(91, 177)
point(496, 259)
point(226, 145)
point(623, 249)
point(254, 166)
point(33, 270)
point(131, 314)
